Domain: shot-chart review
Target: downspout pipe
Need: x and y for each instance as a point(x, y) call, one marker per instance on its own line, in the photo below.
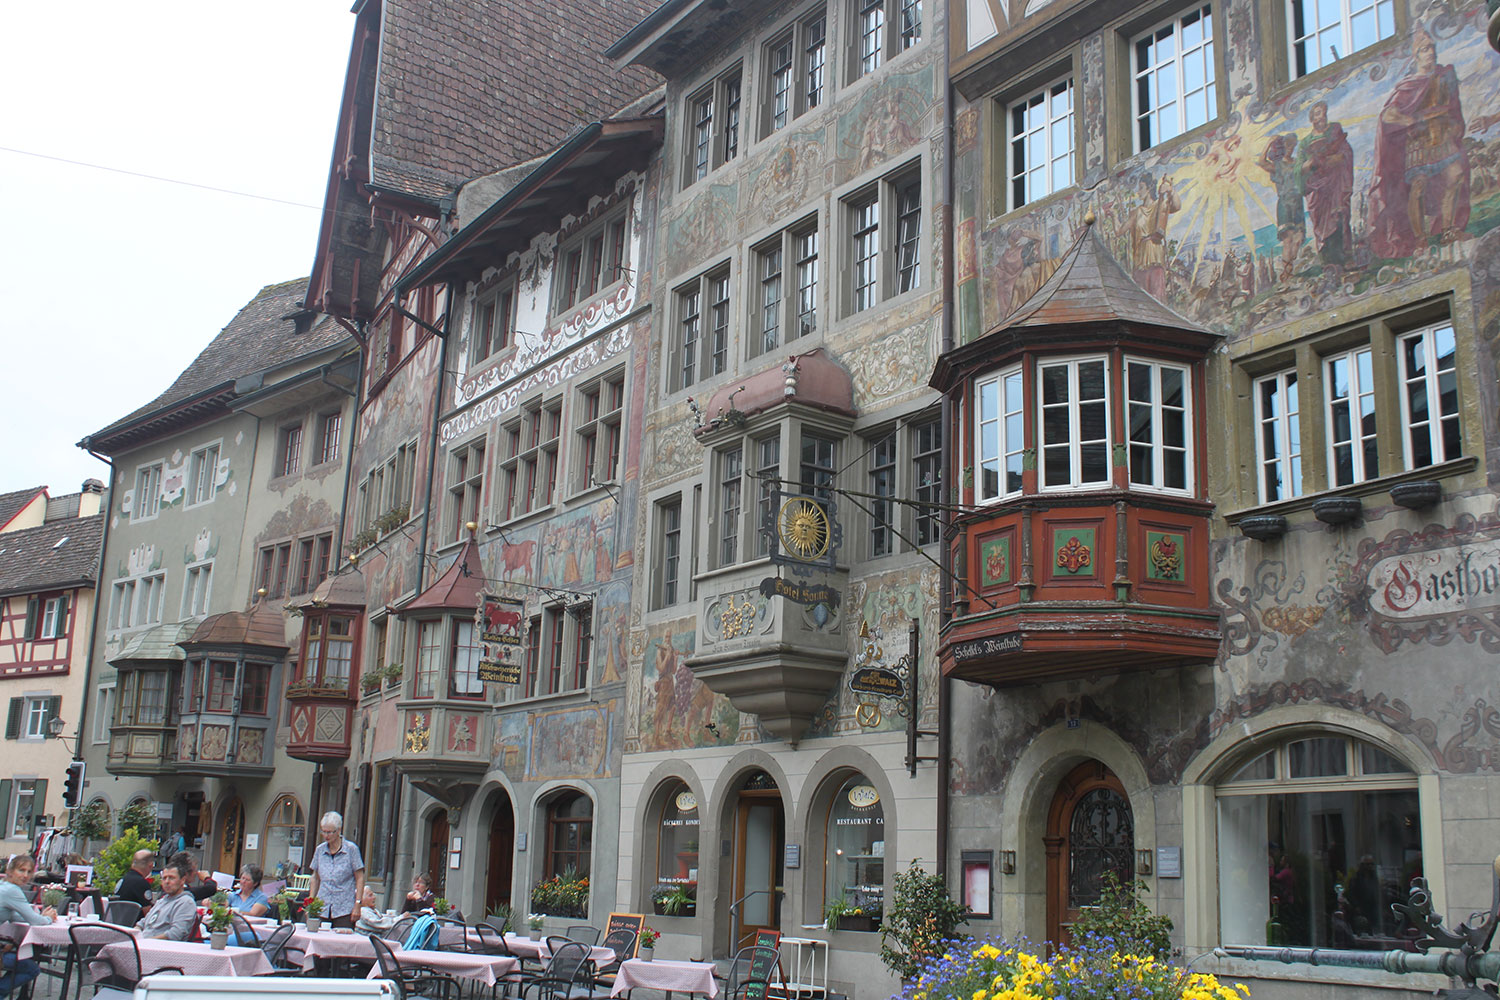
point(945, 555)
point(437, 420)
point(88, 666)
point(359, 403)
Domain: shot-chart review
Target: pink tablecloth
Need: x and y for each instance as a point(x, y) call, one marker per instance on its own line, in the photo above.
point(193, 959)
point(55, 934)
point(331, 944)
point(486, 969)
point(674, 977)
point(527, 948)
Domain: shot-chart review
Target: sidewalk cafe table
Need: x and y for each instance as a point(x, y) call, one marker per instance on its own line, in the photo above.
point(192, 958)
point(668, 977)
point(527, 948)
point(330, 944)
point(487, 969)
point(55, 934)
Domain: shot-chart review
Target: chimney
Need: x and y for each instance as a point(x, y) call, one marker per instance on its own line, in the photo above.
point(91, 499)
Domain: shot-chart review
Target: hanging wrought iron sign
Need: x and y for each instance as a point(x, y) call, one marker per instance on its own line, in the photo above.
point(501, 622)
point(880, 688)
point(804, 531)
point(879, 681)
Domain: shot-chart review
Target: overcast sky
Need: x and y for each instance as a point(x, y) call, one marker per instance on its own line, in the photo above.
point(111, 283)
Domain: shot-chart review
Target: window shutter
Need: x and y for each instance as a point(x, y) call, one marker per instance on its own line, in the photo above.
point(60, 625)
point(13, 721)
point(38, 805)
point(33, 609)
point(54, 709)
point(5, 808)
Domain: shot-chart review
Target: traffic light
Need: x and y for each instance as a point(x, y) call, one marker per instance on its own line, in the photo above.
point(73, 786)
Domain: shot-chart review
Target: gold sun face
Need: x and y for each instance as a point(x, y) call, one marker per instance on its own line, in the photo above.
point(804, 529)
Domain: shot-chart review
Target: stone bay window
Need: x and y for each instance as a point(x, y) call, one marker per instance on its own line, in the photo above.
point(776, 444)
point(228, 707)
point(1084, 541)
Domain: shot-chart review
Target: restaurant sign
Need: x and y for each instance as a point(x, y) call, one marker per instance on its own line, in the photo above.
point(1437, 582)
point(879, 681)
point(499, 672)
point(991, 646)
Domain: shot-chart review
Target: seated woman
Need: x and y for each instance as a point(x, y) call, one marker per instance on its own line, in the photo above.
point(247, 896)
point(419, 898)
point(369, 913)
point(16, 973)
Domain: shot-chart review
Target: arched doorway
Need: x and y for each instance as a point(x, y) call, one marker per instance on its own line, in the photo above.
point(437, 853)
point(759, 848)
point(502, 856)
point(231, 836)
point(1090, 831)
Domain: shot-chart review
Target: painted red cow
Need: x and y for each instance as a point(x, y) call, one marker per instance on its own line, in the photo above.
point(517, 557)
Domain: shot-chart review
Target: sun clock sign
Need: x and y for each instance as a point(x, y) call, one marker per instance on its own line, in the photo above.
point(804, 531)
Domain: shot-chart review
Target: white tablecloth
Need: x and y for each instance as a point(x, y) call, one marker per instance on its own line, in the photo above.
point(486, 969)
point(330, 944)
point(674, 977)
point(193, 959)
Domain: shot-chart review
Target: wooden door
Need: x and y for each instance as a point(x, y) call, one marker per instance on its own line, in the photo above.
point(760, 842)
point(231, 835)
point(502, 855)
point(1090, 831)
point(437, 853)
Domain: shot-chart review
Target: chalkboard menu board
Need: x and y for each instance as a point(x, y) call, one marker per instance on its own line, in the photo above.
point(627, 922)
point(763, 963)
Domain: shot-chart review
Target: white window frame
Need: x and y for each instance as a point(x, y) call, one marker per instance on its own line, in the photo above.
point(1357, 391)
point(1042, 97)
point(702, 328)
point(104, 711)
point(593, 433)
point(1286, 430)
point(881, 245)
point(1175, 66)
point(1006, 446)
point(203, 458)
point(147, 486)
point(502, 298)
point(1430, 384)
point(1158, 445)
point(330, 425)
point(880, 30)
point(290, 449)
point(146, 597)
point(1075, 445)
point(1349, 10)
point(573, 288)
point(20, 822)
point(197, 588)
point(786, 302)
point(530, 446)
point(35, 716)
point(722, 129)
point(54, 618)
point(670, 547)
point(729, 506)
point(467, 469)
point(802, 81)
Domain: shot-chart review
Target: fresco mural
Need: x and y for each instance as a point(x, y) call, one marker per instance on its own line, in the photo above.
point(571, 743)
point(675, 708)
point(1387, 170)
point(578, 548)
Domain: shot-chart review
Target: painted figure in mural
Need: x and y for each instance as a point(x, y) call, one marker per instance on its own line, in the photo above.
point(1326, 163)
point(666, 680)
point(1421, 187)
point(1148, 234)
point(1279, 160)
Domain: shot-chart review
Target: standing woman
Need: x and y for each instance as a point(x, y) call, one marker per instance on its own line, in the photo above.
point(14, 907)
point(338, 873)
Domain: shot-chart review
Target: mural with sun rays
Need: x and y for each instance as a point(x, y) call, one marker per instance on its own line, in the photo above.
point(1383, 169)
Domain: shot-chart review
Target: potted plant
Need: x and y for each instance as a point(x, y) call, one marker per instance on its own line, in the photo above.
point(503, 916)
point(54, 898)
point(649, 937)
point(114, 860)
point(844, 914)
point(441, 906)
point(534, 925)
point(370, 682)
point(281, 903)
point(675, 900)
point(392, 673)
point(218, 926)
point(920, 918)
point(314, 914)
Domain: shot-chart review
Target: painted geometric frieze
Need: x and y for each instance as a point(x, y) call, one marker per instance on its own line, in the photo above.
point(1164, 556)
point(301, 722)
point(737, 615)
point(1073, 551)
point(330, 725)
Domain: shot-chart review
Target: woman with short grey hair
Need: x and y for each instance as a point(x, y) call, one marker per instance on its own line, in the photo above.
point(338, 873)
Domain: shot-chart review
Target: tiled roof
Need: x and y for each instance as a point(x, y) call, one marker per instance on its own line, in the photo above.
point(466, 88)
point(1090, 286)
point(261, 626)
point(58, 554)
point(262, 335)
point(12, 504)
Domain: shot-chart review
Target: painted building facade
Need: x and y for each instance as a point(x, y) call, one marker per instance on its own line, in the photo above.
point(1289, 461)
point(49, 556)
point(226, 504)
point(797, 295)
point(437, 96)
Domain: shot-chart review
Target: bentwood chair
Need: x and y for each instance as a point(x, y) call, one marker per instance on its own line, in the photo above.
point(412, 982)
point(118, 973)
point(566, 977)
point(583, 934)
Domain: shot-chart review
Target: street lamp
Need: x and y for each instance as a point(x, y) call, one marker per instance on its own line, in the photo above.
point(55, 727)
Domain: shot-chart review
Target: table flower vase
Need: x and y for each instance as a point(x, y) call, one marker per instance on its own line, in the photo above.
point(536, 934)
point(218, 940)
point(314, 924)
point(646, 953)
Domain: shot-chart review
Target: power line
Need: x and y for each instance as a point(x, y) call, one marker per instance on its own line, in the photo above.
point(154, 177)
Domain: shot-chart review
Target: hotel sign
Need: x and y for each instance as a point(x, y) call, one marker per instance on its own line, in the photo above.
point(1438, 582)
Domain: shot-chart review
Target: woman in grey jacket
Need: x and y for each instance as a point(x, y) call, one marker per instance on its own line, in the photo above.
point(15, 908)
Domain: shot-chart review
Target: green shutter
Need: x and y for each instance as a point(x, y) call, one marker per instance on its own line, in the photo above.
point(33, 610)
point(13, 720)
point(5, 807)
point(54, 709)
point(60, 626)
point(38, 805)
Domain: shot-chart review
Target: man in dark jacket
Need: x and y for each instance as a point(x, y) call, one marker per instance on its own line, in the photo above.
point(135, 886)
